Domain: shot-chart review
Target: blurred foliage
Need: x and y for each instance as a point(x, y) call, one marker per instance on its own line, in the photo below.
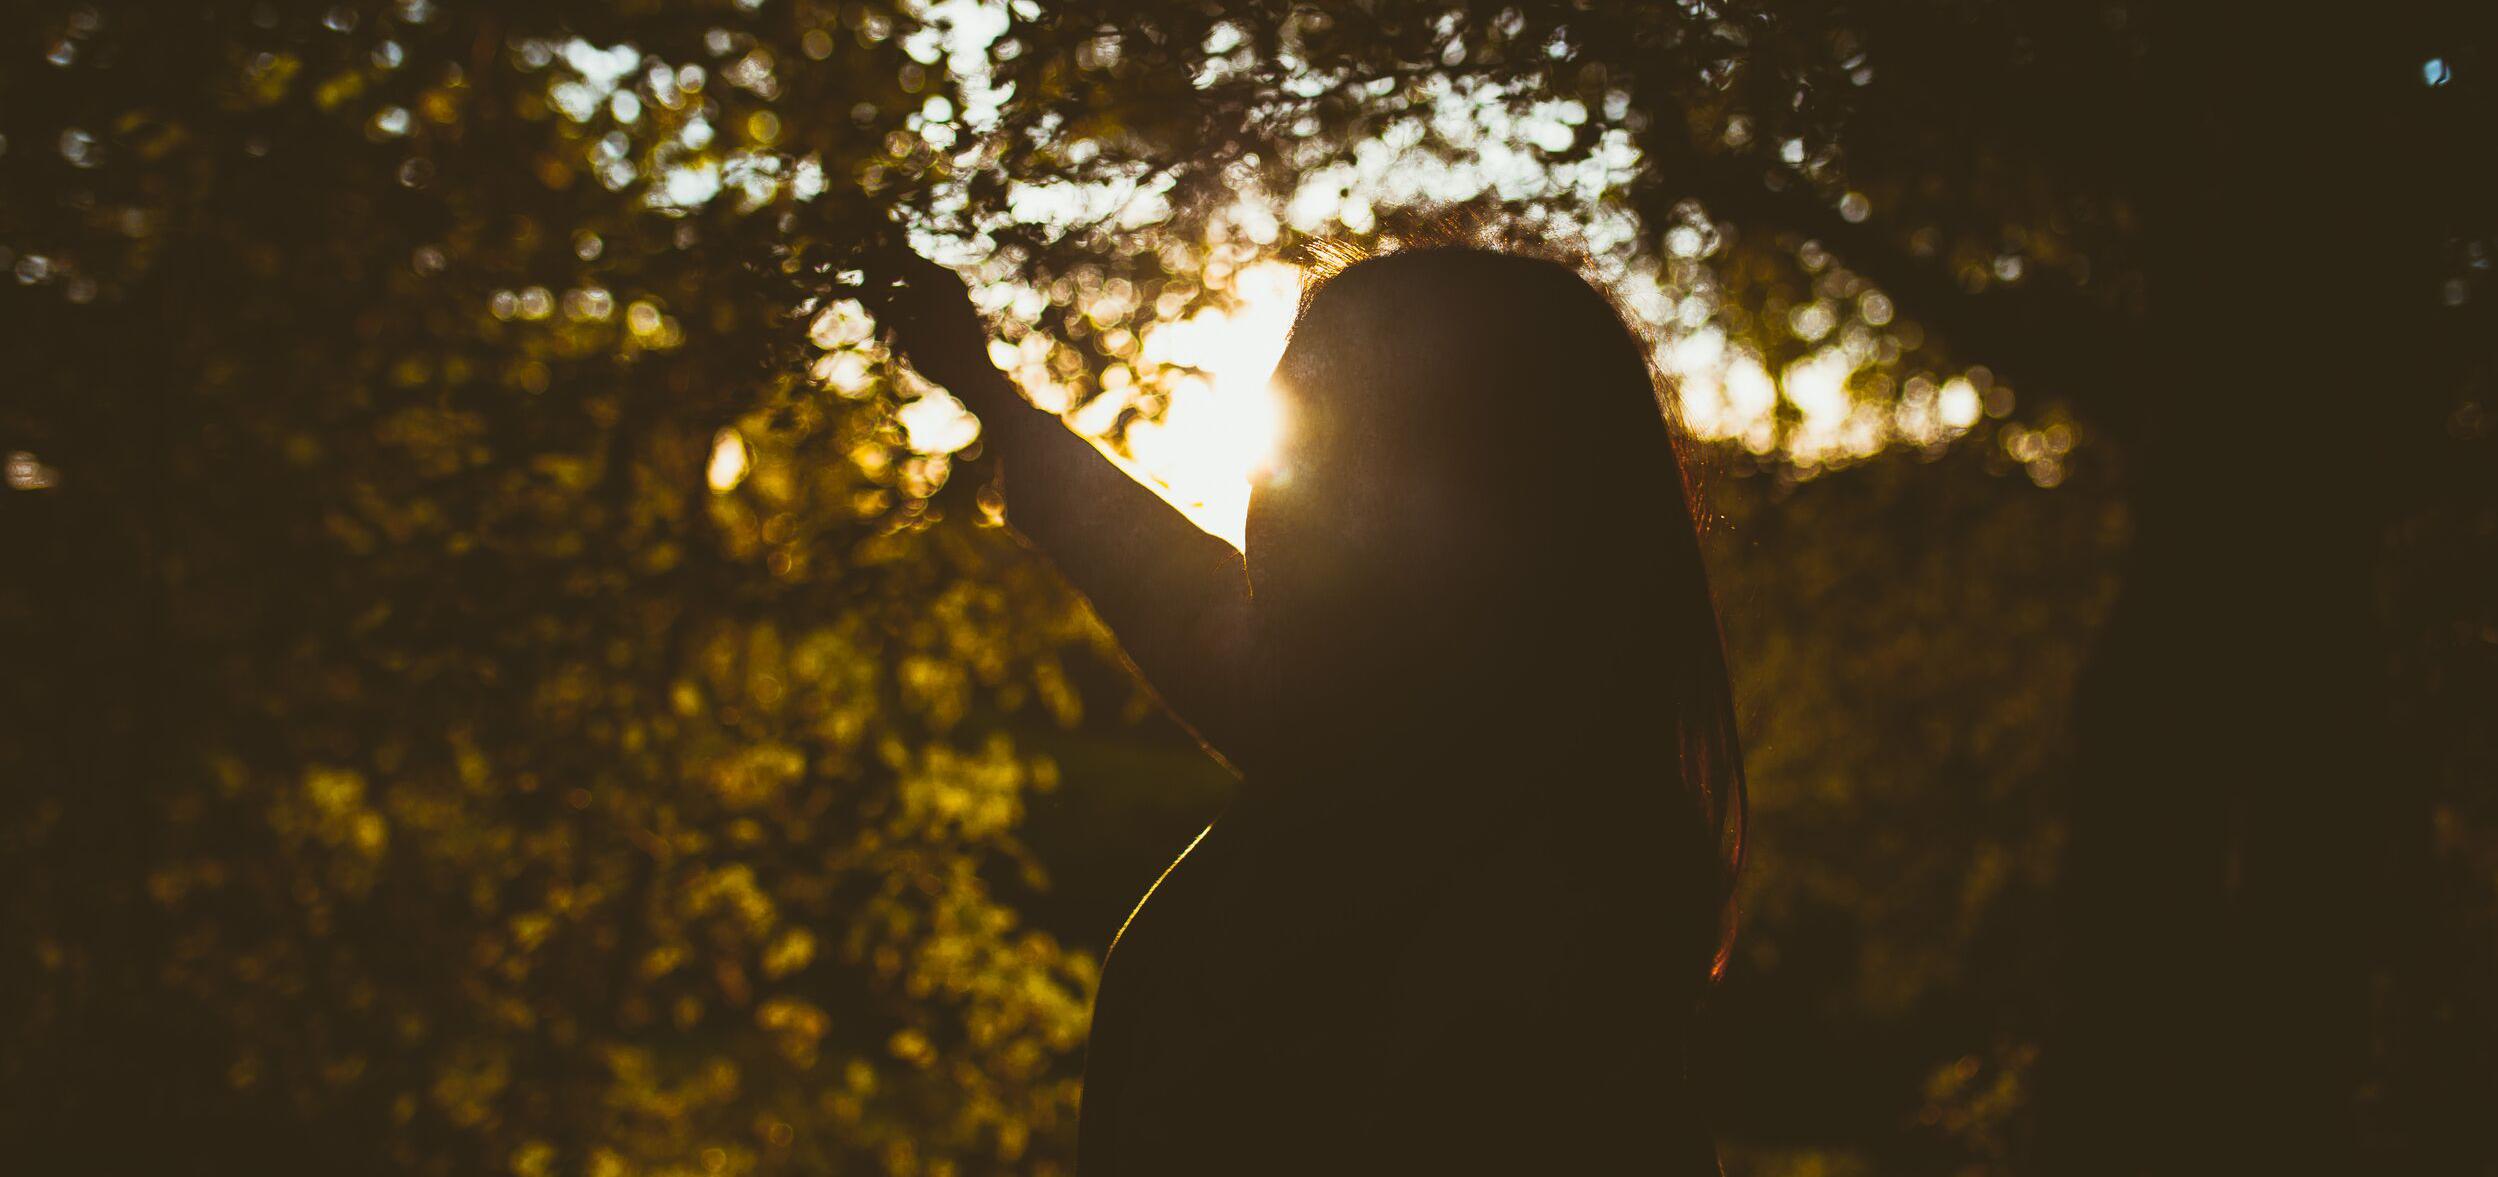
point(504, 685)
point(1908, 636)
point(496, 710)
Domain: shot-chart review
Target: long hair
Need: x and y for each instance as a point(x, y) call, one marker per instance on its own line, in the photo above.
point(1483, 520)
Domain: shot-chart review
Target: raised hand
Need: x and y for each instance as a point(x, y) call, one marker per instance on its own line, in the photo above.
point(927, 315)
point(1176, 597)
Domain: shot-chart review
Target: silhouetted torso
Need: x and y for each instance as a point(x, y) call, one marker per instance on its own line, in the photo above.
point(1360, 987)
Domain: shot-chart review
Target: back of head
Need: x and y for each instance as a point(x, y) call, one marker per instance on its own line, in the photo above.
point(1486, 418)
point(1478, 539)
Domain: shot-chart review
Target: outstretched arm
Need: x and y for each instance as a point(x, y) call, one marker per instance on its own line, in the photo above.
point(1176, 597)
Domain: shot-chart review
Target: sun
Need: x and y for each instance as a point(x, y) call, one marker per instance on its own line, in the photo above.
point(1221, 426)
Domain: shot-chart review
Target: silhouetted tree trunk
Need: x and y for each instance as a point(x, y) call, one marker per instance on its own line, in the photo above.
point(2236, 795)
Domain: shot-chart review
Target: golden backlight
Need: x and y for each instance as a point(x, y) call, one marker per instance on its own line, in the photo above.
point(1223, 422)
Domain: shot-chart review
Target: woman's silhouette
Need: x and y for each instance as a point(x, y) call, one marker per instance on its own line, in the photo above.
point(1479, 867)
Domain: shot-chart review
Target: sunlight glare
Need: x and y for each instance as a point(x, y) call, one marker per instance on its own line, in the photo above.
point(1223, 423)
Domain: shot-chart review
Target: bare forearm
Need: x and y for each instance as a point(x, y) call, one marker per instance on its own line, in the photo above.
point(1175, 596)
